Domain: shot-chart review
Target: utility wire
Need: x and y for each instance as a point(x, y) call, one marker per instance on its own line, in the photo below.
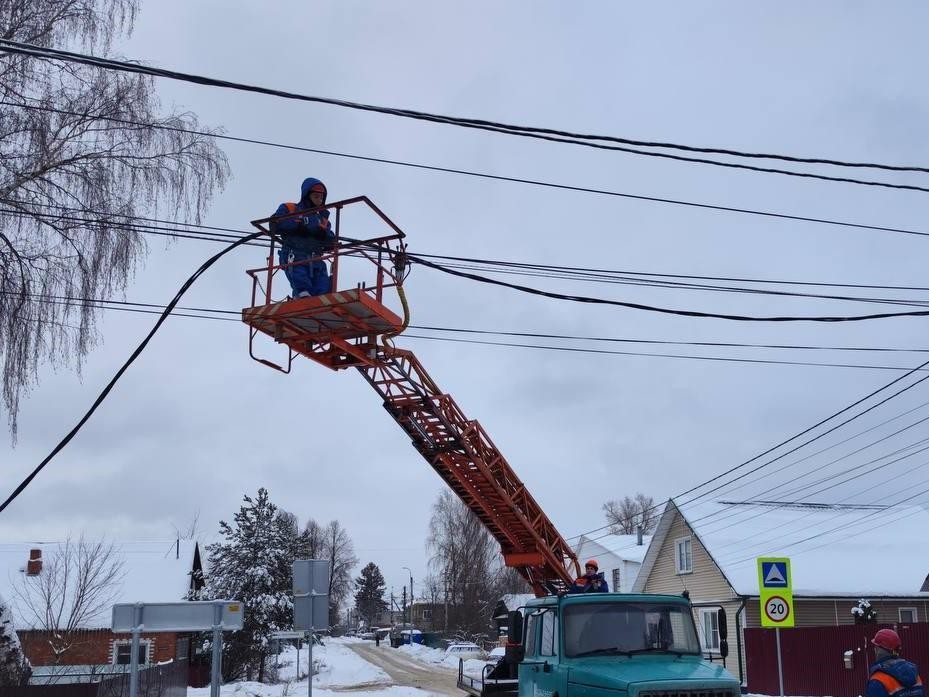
point(164, 227)
point(223, 315)
point(663, 310)
point(494, 177)
point(804, 432)
point(119, 373)
point(492, 126)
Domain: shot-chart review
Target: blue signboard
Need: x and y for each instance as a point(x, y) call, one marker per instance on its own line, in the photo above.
point(774, 574)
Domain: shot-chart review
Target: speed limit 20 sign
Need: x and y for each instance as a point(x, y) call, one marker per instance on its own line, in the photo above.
point(774, 586)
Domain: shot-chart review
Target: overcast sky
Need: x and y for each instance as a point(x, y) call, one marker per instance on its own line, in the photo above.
point(195, 424)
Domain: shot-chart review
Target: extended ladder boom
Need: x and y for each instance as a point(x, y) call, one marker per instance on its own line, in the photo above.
point(465, 457)
point(341, 329)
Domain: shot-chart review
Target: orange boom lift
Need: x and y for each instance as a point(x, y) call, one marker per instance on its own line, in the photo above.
point(352, 328)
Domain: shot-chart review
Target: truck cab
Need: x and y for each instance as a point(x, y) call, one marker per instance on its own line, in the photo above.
point(604, 645)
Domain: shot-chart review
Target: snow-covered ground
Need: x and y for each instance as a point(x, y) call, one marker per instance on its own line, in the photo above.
point(337, 668)
point(437, 657)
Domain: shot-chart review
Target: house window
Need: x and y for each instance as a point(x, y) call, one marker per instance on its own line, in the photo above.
point(684, 555)
point(122, 652)
point(907, 615)
point(427, 613)
point(616, 580)
point(709, 629)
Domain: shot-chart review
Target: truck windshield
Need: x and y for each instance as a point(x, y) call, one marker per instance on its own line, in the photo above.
point(628, 628)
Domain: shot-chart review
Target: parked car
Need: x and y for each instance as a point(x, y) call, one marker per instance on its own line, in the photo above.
point(464, 650)
point(495, 655)
point(367, 634)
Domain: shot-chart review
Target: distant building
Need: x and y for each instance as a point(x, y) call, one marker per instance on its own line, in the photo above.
point(619, 556)
point(153, 572)
point(839, 555)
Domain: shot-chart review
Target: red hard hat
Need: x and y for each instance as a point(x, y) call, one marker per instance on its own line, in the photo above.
point(593, 563)
point(887, 639)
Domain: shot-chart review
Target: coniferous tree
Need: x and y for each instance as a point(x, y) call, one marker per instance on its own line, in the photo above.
point(253, 565)
point(370, 588)
point(14, 667)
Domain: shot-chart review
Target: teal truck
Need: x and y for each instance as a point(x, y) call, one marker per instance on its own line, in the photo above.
point(603, 645)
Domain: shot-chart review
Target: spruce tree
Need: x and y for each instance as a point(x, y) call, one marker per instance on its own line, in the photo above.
point(253, 564)
point(369, 593)
point(14, 667)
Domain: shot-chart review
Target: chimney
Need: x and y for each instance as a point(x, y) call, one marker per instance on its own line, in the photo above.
point(34, 565)
point(638, 532)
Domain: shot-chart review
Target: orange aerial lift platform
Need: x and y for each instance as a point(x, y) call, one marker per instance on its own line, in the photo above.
point(352, 327)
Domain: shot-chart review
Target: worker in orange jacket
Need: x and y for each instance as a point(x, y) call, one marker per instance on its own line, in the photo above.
point(592, 581)
point(892, 676)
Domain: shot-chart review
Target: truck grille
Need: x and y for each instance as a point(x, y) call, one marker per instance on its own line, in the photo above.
point(686, 693)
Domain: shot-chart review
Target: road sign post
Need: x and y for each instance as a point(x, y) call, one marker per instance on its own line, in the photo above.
point(186, 616)
point(775, 591)
point(311, 605)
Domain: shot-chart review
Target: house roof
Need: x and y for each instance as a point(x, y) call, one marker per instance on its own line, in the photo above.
point(835, 550)
point(621, 547)
point(152, 572)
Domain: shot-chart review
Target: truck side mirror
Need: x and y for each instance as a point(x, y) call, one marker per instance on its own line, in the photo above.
point(723, 648)
point(849, 659)
point(721, 623)
point(514, 630)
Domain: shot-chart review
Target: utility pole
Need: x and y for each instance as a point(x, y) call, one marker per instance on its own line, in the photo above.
point(404, 610)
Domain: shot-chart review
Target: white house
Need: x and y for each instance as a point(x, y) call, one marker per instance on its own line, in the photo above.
point(619, 556)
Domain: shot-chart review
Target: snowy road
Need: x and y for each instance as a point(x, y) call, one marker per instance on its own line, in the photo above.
point(406, 671)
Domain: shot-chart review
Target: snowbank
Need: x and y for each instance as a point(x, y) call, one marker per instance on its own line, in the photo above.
point(437, 657)
point(336, 667)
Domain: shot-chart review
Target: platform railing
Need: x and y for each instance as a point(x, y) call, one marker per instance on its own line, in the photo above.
point(382, 251)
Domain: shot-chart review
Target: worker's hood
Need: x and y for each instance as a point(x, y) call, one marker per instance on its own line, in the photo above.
point(308, 184)
point(664, 672)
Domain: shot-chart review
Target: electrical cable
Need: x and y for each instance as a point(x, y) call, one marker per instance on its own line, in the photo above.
point(551, 135)
point(144, 308)
point(664, 310)
point(771, 449)
point(568, 270)
point(493, 177)
point(119, 373)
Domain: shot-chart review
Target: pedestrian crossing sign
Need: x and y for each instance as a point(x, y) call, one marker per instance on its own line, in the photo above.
point(774, 574)
point(775, 592)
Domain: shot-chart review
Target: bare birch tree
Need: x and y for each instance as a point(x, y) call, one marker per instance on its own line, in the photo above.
point(465, 554)
point(86, 152)
point(340, 551)
point(76, 587)
point(624, 517)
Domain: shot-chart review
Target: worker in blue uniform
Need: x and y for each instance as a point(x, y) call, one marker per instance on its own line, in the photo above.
point(304, 238)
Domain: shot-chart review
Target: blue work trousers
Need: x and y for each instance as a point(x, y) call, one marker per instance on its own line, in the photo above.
point(311, 278)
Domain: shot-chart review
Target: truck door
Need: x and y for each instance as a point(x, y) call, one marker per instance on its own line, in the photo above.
point(540, 673)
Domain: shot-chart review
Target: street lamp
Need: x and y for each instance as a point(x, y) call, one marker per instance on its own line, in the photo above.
point(411, 602)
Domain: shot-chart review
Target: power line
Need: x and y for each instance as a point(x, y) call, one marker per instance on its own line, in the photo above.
point(486, 175)
point(551, 135)
point(664, 310)
point(223, 315)
point(119, 373)
point(215, 234)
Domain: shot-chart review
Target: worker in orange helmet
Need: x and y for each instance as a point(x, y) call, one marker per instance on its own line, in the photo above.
point(892, 676)
point(592, 581)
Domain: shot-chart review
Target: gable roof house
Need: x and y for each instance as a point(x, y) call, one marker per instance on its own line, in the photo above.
point(31, 575)
point(619, 556)
point(839, 555)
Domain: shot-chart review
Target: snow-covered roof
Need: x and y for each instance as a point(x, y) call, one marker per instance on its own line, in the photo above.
point(835, 550)
point(622, 547)
point(152, 572)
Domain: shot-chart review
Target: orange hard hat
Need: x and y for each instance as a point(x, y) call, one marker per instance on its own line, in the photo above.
point(887, 639)
point(593, 563)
